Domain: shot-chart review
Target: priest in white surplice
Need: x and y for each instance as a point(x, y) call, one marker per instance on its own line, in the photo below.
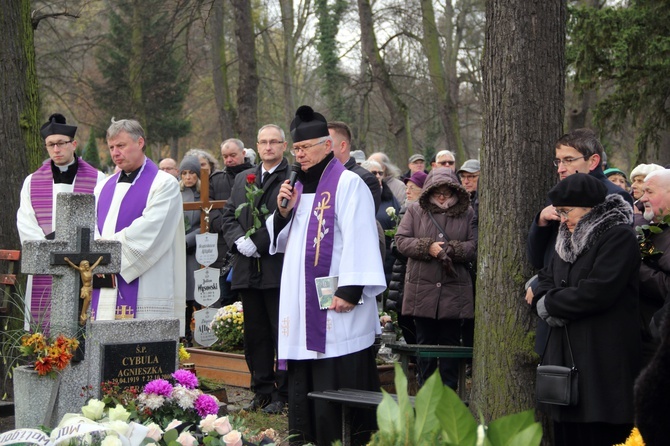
point(141, 207)
point(36, 217)
point(328, 229)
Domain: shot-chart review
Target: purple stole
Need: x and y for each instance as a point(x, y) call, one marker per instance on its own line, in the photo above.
point(319, 251)
point(41, 198)
point(131, 208)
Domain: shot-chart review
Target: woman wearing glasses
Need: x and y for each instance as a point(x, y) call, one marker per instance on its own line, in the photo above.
point(588, 294)
point(438, 238)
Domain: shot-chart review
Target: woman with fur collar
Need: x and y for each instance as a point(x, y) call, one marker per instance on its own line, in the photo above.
point(591, 287)
point(438, 288)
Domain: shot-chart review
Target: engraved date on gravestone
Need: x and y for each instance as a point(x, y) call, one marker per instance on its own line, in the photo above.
point(135, 364)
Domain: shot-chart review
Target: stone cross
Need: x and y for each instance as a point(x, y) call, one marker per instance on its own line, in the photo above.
point(75, 227)
point(204, 205)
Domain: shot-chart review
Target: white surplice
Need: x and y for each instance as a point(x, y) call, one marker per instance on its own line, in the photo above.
point(29, 228)
point(153, 249)
point(356, 260)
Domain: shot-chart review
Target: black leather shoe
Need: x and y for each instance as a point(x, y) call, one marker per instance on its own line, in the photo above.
point(260, 401)
point(275, 407)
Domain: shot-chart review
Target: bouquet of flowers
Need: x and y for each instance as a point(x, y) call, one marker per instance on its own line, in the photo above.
point(164, 413)
point(645, 234)
point(228, 325)
point(49, 355)
point(252, 192)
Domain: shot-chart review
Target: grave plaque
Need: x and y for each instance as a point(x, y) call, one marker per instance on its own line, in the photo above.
point(137, 363)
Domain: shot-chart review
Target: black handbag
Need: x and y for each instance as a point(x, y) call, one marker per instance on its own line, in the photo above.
point(228, 261)
point(555, 384)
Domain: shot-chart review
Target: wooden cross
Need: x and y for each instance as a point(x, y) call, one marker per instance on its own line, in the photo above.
point(204, 205)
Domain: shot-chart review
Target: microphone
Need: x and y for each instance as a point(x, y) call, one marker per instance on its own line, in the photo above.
point(295, 168)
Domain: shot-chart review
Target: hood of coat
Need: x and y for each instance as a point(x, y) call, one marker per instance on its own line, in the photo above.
point(438, 178)
point(611, 212)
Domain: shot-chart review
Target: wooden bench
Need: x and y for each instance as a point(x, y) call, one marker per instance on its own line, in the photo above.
point(348, 398)
point(8, 280)
point(435, 351)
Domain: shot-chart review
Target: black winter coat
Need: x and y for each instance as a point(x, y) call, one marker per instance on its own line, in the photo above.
point(246, 272)
point(220, 185)
point(591, 282)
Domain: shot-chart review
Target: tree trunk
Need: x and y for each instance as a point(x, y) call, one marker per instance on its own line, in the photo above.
point(398, 112)
point(23, 150)
point(224, 106)
point(289, 58)
point(523, 81)
point(442, 77)
point(135, 68)
point(246, 123)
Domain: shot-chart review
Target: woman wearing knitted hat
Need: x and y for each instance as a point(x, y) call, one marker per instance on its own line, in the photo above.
point(189, 184)
point(590, 288)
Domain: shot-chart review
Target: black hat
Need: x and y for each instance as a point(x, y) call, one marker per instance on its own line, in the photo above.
point(56, 126)
point(579, 190)
point(308, 124)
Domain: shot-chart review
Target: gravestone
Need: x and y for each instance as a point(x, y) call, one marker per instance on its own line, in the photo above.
point(75, 226)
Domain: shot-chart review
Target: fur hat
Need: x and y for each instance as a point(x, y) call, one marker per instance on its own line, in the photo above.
point(308, 124)
point(191, 163)
point(644, 170)
point(579, 189)
point(56, 126)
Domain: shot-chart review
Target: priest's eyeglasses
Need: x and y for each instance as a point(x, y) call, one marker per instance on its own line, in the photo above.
point(58, 144)
point(296, 149)
point(563, 213)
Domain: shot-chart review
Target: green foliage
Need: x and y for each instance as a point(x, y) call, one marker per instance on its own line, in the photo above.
point(90, 153)
point(153, 92)
point(439, 417)
point(625, 49)
point(334, 80)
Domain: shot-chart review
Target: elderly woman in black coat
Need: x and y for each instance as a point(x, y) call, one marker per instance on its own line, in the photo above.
point(591, 287)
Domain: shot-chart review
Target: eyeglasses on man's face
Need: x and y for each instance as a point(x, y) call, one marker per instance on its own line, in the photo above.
point(58, 144)
point(296, 149)
point(377, 173)
point(446, 163)
point(468, 177)
point(563, 213)
point(566, 161)
point(272, 142)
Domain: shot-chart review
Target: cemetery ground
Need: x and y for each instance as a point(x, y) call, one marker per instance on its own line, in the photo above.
point(238, 397)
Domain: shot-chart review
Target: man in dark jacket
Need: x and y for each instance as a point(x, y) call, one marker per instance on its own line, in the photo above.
point(220, 186)
point(256, 273)
point(655, 268)
point(341, 134)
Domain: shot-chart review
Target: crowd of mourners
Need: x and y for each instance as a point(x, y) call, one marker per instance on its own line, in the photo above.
point(599, 245)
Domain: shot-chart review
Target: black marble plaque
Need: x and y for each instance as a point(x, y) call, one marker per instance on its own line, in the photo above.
point(137, 363)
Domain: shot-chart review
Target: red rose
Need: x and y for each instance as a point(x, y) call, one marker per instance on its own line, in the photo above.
point(251, 178)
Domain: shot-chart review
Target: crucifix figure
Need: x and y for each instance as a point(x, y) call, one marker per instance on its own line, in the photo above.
point(75, 221)
point(86, 273)
point(204, 205)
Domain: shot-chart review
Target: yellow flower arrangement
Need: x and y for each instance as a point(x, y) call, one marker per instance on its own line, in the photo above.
point(228, 325)
point(49, 355)
point(183, 354)
point(634, 439)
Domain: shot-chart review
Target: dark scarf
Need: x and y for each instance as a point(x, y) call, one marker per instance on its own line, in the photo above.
point(611, 212)
point(234, 170)
point(310, 178)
